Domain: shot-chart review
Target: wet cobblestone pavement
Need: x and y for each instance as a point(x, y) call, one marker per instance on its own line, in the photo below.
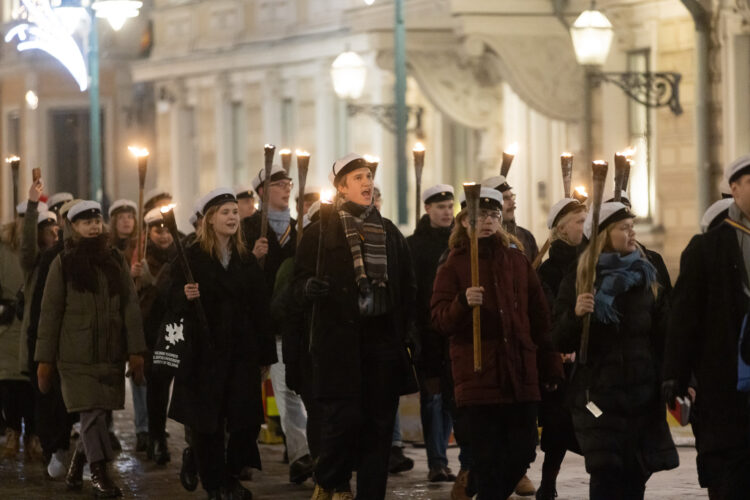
point(140, 478)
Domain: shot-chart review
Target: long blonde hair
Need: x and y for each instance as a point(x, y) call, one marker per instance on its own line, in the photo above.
point(208, 241)
point(460, 236)
point(603, 243)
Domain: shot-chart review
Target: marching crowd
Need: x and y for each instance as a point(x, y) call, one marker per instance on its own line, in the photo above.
point(344, 315)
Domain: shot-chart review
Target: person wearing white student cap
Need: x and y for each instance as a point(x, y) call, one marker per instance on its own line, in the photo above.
point(19, 250)
point(497, 407)
point(427, 245)
point(89, 283)
point(219, 390)
point(122, 224)
point(365, 299)
point(155, 198)
point(527, 240)
point(617, 414)
point(708, 306)
point(279, 246)
point(246, 201)
point(565, 221)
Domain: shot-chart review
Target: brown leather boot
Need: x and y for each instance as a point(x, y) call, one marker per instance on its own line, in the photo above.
point(101, 483)
point(12, 444)
point(32, 449)
point(74, 479)
point(459, 487)
point(525, 487)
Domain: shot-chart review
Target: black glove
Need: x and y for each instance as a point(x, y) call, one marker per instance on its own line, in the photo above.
point(316, 288)
point(670, 391)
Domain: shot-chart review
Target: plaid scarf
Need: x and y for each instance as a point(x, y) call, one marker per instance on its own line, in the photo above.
point(365, 233)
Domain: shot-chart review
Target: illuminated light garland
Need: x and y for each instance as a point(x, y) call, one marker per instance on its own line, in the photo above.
point(46, 32)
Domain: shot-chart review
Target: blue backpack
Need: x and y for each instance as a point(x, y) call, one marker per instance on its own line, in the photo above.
point(743, 369)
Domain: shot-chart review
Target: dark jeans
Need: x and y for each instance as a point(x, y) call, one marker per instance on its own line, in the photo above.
point(17, 399)
point(503, 443)
point(157, 401)
point(730, 477)
point(314, 424)
point(436, 428)
point(356, 433)
point(217, 464)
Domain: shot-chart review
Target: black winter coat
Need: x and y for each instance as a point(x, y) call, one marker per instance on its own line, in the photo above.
point(708, 305)
point(223, 378)
point(276, 253)
point(622, 377)
point(562, 261)
point(341, 338)
point(426, 246)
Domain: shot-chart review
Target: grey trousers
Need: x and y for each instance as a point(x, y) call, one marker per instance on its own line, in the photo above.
point(94, 436)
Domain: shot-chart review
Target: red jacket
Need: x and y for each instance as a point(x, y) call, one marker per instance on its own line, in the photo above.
point(515, 323)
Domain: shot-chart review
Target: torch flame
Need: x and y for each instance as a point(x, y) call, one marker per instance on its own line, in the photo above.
point(269, 146)
point(11, 159)
point(326, 196)
point(512, 149)
point(629, 152)
point(285, 151)
point(167, 208)
point(582, 191)
point(567, 155)
point(600, 162)
point(138, 152)
point(470, 183)
point(418, 147)
point(299, 152)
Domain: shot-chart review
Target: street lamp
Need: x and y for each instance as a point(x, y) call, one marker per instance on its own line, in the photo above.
point(117, 11)
point(592, 36)
point(348, 73)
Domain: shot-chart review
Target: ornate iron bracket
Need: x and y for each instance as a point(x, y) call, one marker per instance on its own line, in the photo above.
point(385, 114)
point(653, 90)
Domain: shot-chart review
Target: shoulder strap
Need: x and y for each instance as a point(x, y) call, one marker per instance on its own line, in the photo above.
point(737, 225)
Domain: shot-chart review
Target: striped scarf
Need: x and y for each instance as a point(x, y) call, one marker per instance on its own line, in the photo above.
point(365, 233)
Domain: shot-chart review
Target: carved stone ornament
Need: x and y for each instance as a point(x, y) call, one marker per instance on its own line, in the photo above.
point(542, 70)
point(452, 85)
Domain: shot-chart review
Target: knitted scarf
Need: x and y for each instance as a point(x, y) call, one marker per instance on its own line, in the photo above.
point(279, 222)
point(363, 227)
point(618, 275)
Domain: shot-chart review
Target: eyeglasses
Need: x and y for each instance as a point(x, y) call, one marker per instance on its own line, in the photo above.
point(507, 197)
point(282, 184)
point(486, 214)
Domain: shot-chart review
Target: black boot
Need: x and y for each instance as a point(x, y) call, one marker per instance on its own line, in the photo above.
point(101, 483)
point(235, 490)
point(398, 462)
point(150, 448)
point(301, 469)
point(547, 490)
point(74, 479)
point(189, 470)
point(161, 452)
point(141, 441)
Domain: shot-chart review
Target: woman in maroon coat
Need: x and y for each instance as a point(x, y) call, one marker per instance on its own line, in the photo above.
point(500, 402)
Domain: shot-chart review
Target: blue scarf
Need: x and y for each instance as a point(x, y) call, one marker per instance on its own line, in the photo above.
point(618, 275)
point(279, 221)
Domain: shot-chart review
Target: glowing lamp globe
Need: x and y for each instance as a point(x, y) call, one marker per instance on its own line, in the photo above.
point(348, 73)
point(117, 11)
point(592, 35)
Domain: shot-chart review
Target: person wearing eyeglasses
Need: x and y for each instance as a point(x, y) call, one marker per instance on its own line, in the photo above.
point(500, 401)
point(278, 246)
point(528, 243)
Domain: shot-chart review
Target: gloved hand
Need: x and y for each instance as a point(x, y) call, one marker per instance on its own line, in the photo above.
point(316, 288)
point(670, 391)
point(135, 369)
point(45, 373)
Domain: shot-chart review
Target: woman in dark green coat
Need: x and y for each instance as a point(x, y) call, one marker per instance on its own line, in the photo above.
point(90, 327)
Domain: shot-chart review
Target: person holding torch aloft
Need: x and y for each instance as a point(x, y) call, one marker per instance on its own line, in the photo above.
point(500, 400)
